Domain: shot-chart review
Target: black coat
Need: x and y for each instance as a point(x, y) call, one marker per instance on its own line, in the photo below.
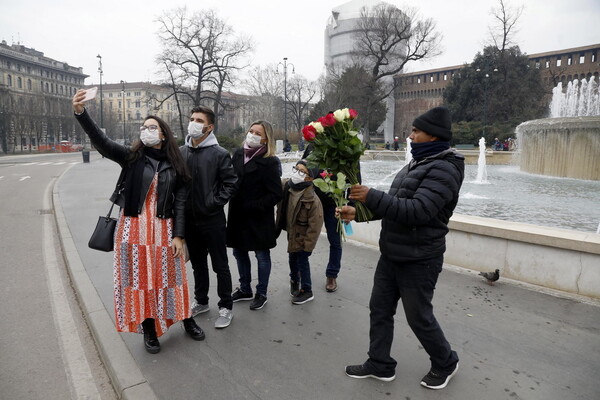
point(251, 218)
point(416, 210)
point(171, 191)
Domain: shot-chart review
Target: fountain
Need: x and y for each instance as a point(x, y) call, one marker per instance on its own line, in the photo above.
point(481, 167)
point(568, 143)
point(408, 155)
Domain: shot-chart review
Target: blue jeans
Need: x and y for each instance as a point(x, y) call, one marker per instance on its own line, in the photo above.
point(335, 242)
point(244, 268)
point(300, 269)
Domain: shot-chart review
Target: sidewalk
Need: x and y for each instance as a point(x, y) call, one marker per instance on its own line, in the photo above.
point(514, 343)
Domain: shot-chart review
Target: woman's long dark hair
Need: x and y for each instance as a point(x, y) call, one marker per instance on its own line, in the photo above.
point(169, 146)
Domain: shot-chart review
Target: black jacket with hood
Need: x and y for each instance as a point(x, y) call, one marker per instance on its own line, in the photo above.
point(213, 180)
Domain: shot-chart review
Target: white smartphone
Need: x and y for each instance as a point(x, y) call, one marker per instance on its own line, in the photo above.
point(90, 94)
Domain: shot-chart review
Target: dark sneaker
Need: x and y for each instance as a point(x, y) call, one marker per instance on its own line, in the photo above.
point(294, 288)
point(438, 380)
point(361, 371)
point(258, 302)
point(303, 297)
point(238, 295)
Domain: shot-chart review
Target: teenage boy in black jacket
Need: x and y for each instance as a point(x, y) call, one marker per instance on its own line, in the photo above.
point(212, 185)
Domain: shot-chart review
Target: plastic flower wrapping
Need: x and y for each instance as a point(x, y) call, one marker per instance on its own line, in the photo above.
point(337, 150)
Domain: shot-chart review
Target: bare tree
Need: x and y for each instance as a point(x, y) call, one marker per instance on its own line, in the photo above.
point(503, 32)
point(388, 38)
point(300, 93)
point(266, 85)
point(200, 55)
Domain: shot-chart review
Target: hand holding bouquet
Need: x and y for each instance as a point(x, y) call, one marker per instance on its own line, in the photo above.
point(337, 150)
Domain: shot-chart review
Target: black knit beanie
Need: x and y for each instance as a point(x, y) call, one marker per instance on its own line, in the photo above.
point(436, 122)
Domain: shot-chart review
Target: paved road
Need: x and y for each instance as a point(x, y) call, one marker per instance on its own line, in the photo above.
point(514, 342)
point(45, 347)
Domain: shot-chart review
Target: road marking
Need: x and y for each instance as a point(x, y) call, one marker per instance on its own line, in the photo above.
point(30, 163)
point(45, 163)
point(25, 177)
point(76, 365)
point(74, 162)
point(59, 163)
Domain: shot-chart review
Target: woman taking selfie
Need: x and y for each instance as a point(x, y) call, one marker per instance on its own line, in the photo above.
point(150, 283)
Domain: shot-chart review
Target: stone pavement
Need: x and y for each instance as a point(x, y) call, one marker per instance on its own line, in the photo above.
point(514, 342)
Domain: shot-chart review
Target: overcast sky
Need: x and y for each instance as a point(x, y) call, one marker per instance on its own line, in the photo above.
point(124, 32)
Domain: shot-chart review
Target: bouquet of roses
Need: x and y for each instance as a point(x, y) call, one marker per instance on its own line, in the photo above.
point(337, 150)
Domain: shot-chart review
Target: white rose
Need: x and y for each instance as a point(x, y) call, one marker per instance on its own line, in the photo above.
point(339, 115)
point(318, 127)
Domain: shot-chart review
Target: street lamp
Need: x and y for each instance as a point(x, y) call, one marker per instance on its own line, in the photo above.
point(485, 87)
point(285, 66)
point(123, 105)
point(99, 57)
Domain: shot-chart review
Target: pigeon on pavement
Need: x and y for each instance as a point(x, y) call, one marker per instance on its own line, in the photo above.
point(491, 277)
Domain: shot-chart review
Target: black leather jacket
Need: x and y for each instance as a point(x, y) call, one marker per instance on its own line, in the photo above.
point(171, 190)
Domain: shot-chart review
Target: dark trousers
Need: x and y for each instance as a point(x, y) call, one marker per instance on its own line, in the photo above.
point(335, 241)
point(300, 269)
point(203, 240)
point(414, 283)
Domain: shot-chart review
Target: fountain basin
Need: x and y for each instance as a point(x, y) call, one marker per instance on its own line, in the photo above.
point(564, 147)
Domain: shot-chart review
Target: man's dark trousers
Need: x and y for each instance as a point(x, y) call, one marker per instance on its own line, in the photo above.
point(414, 283)
point(208, 237)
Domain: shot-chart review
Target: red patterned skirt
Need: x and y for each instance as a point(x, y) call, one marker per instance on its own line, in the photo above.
point(149, 281)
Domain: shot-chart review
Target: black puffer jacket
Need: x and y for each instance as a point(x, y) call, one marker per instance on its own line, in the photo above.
point(416, 210)
point(171, 190)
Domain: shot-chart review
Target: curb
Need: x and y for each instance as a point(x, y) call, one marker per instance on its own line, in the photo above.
point(125, 374)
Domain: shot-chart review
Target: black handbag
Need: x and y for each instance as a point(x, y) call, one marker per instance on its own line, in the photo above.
point(103, 238)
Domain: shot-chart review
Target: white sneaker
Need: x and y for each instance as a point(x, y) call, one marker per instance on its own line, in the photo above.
point(199, 308)
point(225, 317)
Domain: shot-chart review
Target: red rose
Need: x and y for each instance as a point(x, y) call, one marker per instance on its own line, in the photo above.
point(324, 174)
point(353, 113)
point(328, 120)
point(309, 133)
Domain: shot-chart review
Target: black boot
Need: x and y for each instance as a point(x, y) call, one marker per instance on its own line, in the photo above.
point(193, 329)
point(150, 340)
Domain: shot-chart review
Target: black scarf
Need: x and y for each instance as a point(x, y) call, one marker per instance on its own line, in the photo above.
point(421, 150)
point(134, 176)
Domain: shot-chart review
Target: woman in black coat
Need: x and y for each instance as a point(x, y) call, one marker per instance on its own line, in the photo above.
point(251, 219)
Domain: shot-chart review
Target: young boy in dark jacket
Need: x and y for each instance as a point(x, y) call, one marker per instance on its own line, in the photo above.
point(300, 213)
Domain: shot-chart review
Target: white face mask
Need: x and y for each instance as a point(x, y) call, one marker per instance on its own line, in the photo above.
point(253, 140)
point(195, 129)
point(297, 177)
point(150, 138)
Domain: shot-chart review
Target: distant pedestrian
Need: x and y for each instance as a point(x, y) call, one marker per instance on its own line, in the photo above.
point(251, 218)
point(212, 185)
point(387, 145)
point(150, 231)
point(300, 214)
point(287, 147)
point(301, 144)
point(396, 144)
point(415, 215)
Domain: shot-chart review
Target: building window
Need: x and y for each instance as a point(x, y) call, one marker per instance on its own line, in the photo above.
point(47, 87)
point(582, 59)
point(547, 64)
point(137, 104)
point(431, 78)
point(110, 95)
point(119, 104)
point(138, 115)
point(569, 60)
point(28, 84)
point(9, 81)
point(537, 65)
point(445, 76)
point(418, 80)
point(19, 67)
point(558, 62)
point(593, 57)
point(137, 94)
point(19, 83)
